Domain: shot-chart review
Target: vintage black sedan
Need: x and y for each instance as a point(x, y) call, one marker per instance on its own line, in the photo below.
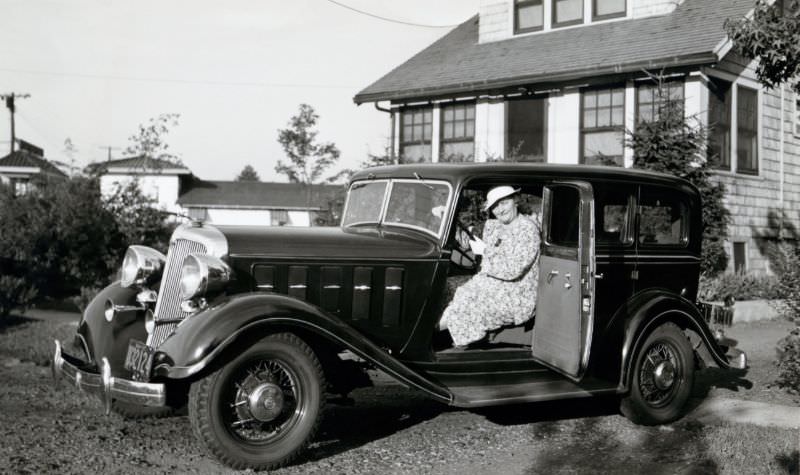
point(253, 326)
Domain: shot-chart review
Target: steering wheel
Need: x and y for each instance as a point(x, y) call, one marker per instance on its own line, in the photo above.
point(464, 251)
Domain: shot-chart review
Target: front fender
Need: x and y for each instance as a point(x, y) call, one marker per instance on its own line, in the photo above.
point(201, 338)
point(101, 338)
point(646, 311)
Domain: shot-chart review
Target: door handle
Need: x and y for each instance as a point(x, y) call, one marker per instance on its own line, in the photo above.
point(567, 284)
point(552, 274)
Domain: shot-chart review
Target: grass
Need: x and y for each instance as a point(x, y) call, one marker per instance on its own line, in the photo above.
point(738, 448)
point(32, 340)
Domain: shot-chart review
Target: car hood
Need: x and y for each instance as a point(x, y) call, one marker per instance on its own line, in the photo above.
point(353, 242)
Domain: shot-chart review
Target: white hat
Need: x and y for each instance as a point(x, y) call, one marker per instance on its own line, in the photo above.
point(498, 193)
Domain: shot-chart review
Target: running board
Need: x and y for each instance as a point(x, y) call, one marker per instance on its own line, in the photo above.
point(492, 395)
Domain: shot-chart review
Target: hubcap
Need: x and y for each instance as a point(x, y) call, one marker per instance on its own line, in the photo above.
point(266, 402)
point(664, 375)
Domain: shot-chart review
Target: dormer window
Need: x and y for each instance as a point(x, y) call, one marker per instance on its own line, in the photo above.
point(605, 9)
point(567, 12)
point(528, 15)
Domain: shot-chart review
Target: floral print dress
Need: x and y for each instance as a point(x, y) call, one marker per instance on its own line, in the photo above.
point(503, 292)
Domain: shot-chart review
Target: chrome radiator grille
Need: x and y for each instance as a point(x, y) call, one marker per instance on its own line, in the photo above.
point(168, 306)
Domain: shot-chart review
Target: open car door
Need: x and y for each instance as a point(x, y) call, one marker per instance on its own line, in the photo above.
point(563, 330)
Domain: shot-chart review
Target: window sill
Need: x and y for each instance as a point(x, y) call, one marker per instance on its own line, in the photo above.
point(731, 174)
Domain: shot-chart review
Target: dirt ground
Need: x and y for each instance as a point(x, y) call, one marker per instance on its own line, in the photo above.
point(391, 429)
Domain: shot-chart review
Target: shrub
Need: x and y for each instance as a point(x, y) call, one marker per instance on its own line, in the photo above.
point(740, 286)
point(786, 256)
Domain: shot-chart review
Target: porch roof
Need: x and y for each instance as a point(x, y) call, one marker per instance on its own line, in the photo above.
point(457, 64)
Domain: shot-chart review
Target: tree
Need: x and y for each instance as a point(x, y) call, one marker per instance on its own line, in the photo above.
point(672, 143)
point(248, 173)
point(372, 160)
point(308, 159)
point(150, 142)
point(771, 35)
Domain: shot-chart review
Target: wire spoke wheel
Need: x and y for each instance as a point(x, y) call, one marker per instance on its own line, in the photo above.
point(662, 378)
point(262, 408)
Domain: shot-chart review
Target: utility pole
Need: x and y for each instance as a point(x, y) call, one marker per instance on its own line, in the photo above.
point(9, 98)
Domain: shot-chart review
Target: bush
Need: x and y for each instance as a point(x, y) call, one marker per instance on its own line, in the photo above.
point(62, 238)
point(740, 286)
point(786, 257)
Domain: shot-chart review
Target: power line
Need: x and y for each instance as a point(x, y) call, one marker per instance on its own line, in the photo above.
point(391, 20)
point(174, 80)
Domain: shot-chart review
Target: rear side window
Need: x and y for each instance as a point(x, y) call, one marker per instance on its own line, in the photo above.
point(662, 220)
point(612, 214)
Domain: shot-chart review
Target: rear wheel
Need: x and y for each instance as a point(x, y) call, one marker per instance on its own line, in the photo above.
point(260, 410)
point(662, 379)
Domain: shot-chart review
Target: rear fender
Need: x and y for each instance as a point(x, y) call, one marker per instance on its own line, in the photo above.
point(201, 339)
point(648, 310)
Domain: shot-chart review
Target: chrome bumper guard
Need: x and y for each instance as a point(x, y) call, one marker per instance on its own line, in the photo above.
point(104, 385)
point(736, 358)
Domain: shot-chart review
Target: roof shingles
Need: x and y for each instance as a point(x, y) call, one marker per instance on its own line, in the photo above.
point(457, 63)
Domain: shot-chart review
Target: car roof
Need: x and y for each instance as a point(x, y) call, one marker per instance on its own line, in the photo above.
point(460, 172)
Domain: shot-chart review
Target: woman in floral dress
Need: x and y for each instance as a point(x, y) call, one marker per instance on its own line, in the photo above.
point(503, 292)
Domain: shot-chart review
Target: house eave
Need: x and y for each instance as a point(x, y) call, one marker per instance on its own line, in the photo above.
point(248, 207)
point(698, 59)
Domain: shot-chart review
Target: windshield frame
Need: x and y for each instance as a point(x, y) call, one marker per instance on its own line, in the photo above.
point(385, 204)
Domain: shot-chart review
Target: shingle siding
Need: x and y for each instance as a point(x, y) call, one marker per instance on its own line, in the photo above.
point(754, 202)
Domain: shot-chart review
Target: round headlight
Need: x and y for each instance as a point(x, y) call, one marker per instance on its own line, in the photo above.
point(141, 265)
point(202, 273)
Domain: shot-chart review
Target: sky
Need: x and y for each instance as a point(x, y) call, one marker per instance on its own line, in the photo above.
point(235, 71)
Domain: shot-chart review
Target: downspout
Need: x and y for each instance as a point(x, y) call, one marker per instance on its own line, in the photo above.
point(391, 132)
point(782, 177)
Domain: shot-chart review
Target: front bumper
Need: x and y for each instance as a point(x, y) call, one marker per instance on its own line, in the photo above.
point(105, 386)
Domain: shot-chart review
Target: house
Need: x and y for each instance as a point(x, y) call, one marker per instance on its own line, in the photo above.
point(159, 180)
point(23, 168)
point(175, 189)
point(560, 81)
point(260, 203)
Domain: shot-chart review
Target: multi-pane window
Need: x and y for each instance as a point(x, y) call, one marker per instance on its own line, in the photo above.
point(458, 133)
point(602, 9)
point(746, 130)
point(526, 130)
point(528, 15)
point(719, 119)
point(567, 12)
point(21, 186)
point(603, 126)
point(653, 100)
point(416, 127)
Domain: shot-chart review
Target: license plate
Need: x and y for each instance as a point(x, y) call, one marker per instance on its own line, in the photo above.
point(137, 361)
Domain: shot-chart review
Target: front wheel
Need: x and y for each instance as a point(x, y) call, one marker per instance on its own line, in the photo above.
point(260, 410)
point(662, 378)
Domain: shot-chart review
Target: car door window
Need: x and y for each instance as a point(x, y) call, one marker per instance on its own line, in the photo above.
point(662, 220)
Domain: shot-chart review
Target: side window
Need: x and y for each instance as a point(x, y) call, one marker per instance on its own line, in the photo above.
point(662, 220)
point(612, 215)
point(564, 224)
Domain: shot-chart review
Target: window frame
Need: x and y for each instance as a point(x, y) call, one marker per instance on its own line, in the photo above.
point(554, 11)
point(608, 16)
point(442, 140)
point(507, 146)
point(796, 121)
point(647, 192)
point(726, 165)
point(523, 3)
point(643, 84)
point(753, 134)
point(612, 128)
point(402, 142)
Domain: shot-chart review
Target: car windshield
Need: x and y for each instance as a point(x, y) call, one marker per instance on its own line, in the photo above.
point(412, 203)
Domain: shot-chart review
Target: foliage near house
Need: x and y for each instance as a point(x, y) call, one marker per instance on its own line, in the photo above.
point(672, 143)
point(64, 239)
point(150, 141)
point(771, 35)
point(308, 158)
point(248, 173)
